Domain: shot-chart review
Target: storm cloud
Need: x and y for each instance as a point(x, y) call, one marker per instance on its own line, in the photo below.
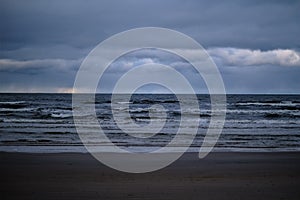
point(255, 44)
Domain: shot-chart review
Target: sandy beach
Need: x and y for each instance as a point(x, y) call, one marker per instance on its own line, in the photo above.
point(218, 176)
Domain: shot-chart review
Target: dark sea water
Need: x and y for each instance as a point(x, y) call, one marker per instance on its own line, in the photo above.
point(44, 122)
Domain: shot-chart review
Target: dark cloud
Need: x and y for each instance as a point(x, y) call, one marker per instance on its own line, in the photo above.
point(40, 38)
point(82, 24)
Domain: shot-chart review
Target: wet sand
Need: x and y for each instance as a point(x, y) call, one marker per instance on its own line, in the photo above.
point(218, 176)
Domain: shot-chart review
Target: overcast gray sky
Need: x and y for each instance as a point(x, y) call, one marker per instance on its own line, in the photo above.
point(255, 44)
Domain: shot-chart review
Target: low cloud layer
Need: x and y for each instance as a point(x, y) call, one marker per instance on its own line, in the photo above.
point(248, 57)
point(10, 65)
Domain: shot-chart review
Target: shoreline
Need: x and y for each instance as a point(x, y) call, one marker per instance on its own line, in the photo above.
point(220, 175)
point(49, 149)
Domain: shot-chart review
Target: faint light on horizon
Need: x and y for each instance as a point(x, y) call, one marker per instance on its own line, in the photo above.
point(66, 90)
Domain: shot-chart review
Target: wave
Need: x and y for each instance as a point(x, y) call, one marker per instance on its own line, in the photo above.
point(124, 102)
point(10, 110)
point(61, 115)
point(139, 110)
point(12, 102)
point(268, 103)
point(147, 101)
point(191, 113)
point(31, 121)
point(96, 102)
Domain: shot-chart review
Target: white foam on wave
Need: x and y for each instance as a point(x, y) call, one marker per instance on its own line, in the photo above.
point(282, 103)
point(12, 102)
point(61, 115)
point(16, 109)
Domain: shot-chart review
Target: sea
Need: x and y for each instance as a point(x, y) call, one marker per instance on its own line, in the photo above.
point(40, 123)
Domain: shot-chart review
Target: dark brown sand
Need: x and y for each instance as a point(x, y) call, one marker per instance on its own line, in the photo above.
point(218, 176)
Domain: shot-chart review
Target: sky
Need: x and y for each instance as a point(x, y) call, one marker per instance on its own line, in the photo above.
point(255, 44)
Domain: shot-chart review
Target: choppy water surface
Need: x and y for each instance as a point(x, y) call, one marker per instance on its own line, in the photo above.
point(39, 122)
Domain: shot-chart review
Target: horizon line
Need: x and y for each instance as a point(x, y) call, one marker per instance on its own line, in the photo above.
point(148, 93)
